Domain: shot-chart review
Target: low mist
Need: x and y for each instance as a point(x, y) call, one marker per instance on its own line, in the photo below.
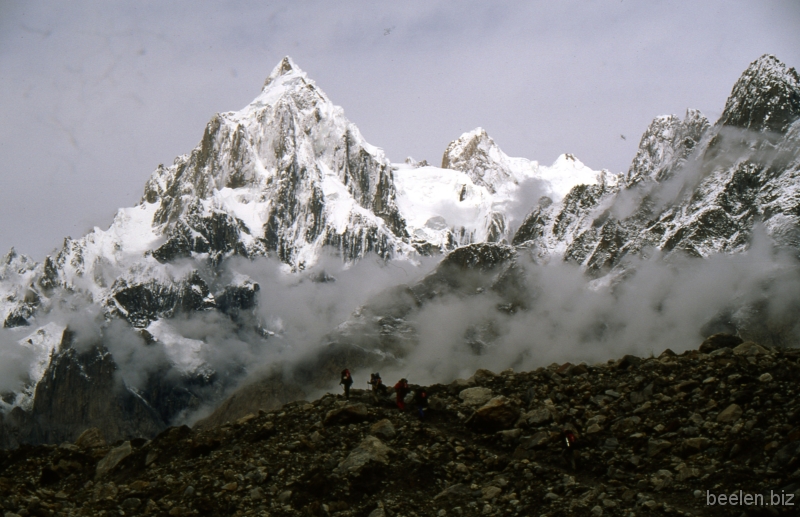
point(657, 303)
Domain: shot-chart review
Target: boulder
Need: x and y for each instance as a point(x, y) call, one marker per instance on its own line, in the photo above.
point(495, 415)
point(538, 416)
point(539, 439)
point(661, 479)
point(655, 447)
point(475, 396)
point(90, 439)
point(510, 435)
point(626, 425)
point(718, 341)
point(383, 429)
point(490, 492)
point(750, 348)
point(730, 414)
point(349, 414)
point(628, 361)
point(700, 443)
point(454, 493)
point(685, 472)
point(482, 376)
point(787, 457)
point(113, 458)
point(371, 449)
point(105, 492)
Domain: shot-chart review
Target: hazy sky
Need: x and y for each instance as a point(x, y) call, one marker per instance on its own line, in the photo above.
point(94, 95)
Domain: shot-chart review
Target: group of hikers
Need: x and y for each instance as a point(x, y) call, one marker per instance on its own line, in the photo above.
point(379, 392)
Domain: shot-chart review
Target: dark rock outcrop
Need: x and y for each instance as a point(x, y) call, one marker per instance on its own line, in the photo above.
point(142, 303)
point(79, 390)
point(765, 98)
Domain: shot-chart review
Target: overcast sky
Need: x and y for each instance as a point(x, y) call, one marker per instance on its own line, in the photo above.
point(94, 95)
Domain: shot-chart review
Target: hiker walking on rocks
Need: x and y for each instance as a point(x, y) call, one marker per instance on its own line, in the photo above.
point(421, 401)
point(378, 388)
point(346, 381)
point(401, 389)
point(569, 444)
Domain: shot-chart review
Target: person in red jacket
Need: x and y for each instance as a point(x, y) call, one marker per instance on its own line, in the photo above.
point(401, 390)
point(569, 443)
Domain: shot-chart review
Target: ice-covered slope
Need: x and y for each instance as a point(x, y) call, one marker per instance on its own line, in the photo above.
point(476, 154)
point(473, 197)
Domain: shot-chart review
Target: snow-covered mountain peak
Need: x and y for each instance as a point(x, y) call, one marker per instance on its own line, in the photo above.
point(472, 197)
point(286, 67)
point(765, 98)
point(568, 172)
point(476, 154)
point(288, 174)
point(289, 84)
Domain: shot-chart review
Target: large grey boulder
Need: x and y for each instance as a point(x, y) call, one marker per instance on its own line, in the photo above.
point(371, 449)
point(113, 458)
point(475, 396)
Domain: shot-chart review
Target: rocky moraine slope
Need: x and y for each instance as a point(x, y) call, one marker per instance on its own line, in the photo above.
point(657, 435)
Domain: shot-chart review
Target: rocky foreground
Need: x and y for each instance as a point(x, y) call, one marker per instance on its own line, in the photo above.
point(658, 435)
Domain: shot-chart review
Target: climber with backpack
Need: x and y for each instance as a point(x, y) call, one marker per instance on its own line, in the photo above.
point(346, 381)
point(401, 389)
point(378, 388)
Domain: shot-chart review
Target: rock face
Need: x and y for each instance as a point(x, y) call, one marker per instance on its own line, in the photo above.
point(765, 98)
point(666, 146)
point(379, 334)
point(650, 439)
point(692, 187)
point(79, 390)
